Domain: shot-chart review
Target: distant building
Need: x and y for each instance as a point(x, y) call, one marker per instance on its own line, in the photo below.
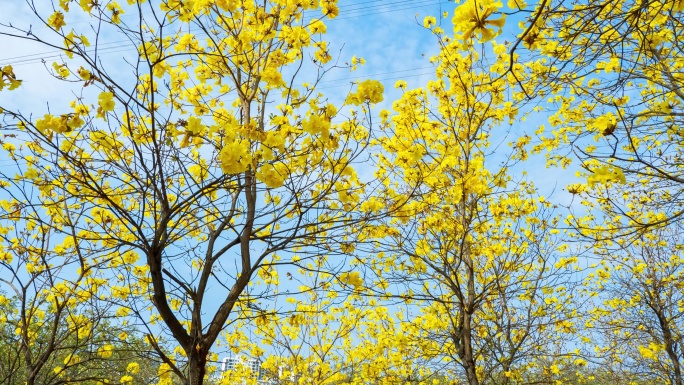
point(230, 363)
point(264, 377)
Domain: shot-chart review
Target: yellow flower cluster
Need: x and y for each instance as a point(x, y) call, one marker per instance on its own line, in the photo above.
point(473, 18)
point(351, 278)
point(235, 157)
point(606, 174)
point(368, 91)
point(8, 79)
point(105, 103)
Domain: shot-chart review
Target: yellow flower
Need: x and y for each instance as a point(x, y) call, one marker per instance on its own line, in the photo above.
point(71, 359)
point(650, 352)
point(187, 43)
point(228, 5)
point(116, 11)
point(329, 8)
point(580, 362)
point(84, 73)
point(235, 157)
point(565, 262)
point(133, 368)
point(9, 147)
point(317, 125)
point(105, 351)
point(606, 174)
point(164, 371)
point(322, 54)
point(56, 20)
point(273, 78)
point(61, 70)
point(317, 26)
point(87, 5)
point(7, 74)
point(368, 91)
point(351, 278)
point(106, 103)
point(429, 21)
point(272, 176)
point(355, 61)
point(472, 17)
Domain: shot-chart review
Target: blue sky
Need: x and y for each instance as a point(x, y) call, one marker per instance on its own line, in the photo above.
point(391, 39)
point(388, 34)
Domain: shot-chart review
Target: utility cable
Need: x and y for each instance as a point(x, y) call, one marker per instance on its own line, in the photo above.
point(115, 46)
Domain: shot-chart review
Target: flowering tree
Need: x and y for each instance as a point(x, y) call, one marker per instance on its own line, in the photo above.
point(56, 327)
point(612, 76)
point(188, 176)
point(193, 168)
point(478, 251)
point(638, 318)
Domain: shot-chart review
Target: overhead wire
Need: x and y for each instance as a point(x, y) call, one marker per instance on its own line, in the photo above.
point(115, 46)
point(403, 8)
point(362, 8)
point(377, 74)
point(385, 4)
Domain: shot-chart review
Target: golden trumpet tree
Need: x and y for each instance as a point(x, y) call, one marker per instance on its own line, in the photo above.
point(56, 327)
point(187, 177)
point(478, 250)
point(331, 337)
point(638, 311)
point(613, 83)
point(196, 162)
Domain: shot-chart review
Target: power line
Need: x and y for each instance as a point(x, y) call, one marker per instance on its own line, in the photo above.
point(382, 79)
point(377, 74)
point(421, 4)
point(115, 46)
point(384, 4)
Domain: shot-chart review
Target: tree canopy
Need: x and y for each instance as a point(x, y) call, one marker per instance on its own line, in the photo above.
point(200, 193)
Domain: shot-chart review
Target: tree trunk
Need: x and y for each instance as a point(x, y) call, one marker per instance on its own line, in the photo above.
point(31, 380)
point(468, 310)
point(197, 366)
point(468, 358)
point(670, 347)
